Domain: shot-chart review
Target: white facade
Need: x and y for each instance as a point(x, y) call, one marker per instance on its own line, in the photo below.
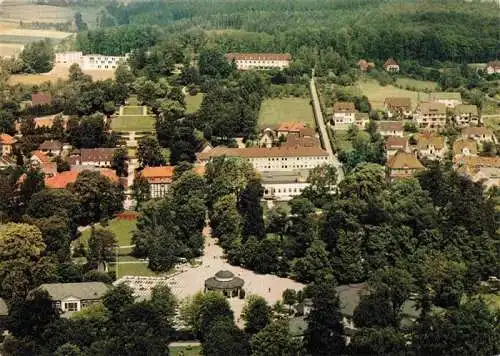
point(259, 61)
point(283, 191)
point(97, 61)
point(287, 164)
point(69, 58)
point(90, 61)
point(344, 118)
point(158, 190)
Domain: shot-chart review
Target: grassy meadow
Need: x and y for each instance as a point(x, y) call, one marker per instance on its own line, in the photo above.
point(275, 111)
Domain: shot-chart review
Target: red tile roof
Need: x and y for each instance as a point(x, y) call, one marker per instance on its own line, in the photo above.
point(291, 126)
point(476, 131)
point(50, 145)
point(41, 99)
point(494, 64)
point(259, 56)
point(6, 139)
point(397, 103)
point(61, 180)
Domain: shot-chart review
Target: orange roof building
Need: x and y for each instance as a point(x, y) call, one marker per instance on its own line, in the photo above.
point(391, 65)
point(61, 180)
point(42, 161)
point(160, 178)
point(6, 144)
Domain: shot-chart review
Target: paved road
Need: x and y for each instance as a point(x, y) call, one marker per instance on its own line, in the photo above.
point(320, 122)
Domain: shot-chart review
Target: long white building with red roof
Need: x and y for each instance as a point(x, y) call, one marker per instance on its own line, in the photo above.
point(259, 61)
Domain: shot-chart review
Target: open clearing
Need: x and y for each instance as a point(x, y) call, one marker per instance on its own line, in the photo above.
point(10, 49)
point(185, 350)
point(193, 102)
point(376, 93)
point(417, 84)
point(25, 11)
point(59, 72)
point(132, 110)
point(132, 123)
point(123, 230)
point(275, 111)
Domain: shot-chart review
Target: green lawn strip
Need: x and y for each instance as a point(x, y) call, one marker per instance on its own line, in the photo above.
point(132, 269)
point(132, 100)
point(123, 230)
point(186, 350)
point(133, 123)
point(376, 93)
point(275, 111)
point(417, 84)
point(193, 102)
point(132, 110)
point(492, 122)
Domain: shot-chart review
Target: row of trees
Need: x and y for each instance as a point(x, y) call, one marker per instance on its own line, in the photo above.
point(171, 228)
point(376, 30)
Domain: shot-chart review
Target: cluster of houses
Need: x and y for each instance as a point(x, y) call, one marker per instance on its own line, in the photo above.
point(404, 158)
point(432, 115)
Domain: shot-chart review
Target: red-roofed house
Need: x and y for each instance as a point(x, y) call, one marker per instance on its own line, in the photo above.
point(365, 66)
point(41, 99)
point(344, 114)
point(391, 65)
point(6, 144)
point(61, 180)
point(159, 179)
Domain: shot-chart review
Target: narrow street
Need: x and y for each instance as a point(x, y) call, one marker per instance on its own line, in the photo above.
point(320, 122)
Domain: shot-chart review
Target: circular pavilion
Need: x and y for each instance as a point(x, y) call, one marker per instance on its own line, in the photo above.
point(226, 283)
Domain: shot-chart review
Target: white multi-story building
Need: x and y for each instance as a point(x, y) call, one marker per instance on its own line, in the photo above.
point(431, 116)
point(284, 170)
point(466, 115)
point(89, 61)
point(97, 61)
point(69, 58)
point(259, 61)
point(344, 114)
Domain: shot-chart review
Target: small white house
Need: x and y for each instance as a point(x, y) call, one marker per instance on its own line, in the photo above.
point(73, 297)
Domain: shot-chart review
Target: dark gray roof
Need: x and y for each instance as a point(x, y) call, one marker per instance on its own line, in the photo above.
point(83, 290)
point(4, 310)
point(224, 274)
point(213, 283)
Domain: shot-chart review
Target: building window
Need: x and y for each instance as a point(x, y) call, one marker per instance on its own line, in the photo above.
point(71, 306)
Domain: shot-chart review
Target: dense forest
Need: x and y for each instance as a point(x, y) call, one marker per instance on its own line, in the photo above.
point(425, 30)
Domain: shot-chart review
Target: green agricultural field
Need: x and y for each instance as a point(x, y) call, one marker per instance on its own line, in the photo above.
point(133, 123)
point(193, 102)
point(492, 122)
point(185, 350)
point(376, 93)
point(275, 111)
point(132, 110)
point(417, 84)
point(123, 230)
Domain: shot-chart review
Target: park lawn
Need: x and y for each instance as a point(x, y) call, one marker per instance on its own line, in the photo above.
point(275, 111)
point(132, 123)
point(132, 100)
point(376, 93)
point(123, 229)
point(132, 151)
point(193, 102)
point(132, 110)
point(132, 269)
point(186, 350)
point(417, 84)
